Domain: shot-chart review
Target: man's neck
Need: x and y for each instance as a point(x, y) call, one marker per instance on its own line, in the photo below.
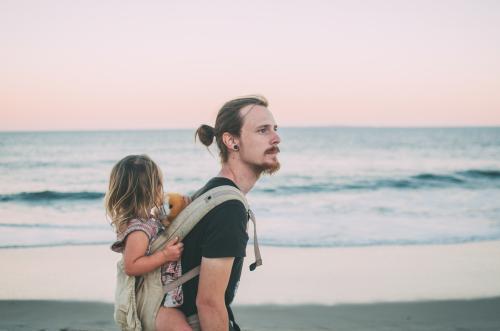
point(243, 176)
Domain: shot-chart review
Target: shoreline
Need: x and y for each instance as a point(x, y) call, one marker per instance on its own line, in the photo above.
point(479, 314)
point(271, 246)
point(324, 276)
point(374, 274)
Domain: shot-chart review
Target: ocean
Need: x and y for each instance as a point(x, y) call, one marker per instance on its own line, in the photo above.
point(338, 186)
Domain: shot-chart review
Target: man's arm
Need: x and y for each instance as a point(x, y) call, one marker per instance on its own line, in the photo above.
point(214, 277)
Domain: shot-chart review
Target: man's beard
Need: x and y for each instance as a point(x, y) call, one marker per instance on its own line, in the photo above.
point(272, 168)
point(268, 169)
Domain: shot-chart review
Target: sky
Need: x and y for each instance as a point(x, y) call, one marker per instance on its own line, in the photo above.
point(90, 65)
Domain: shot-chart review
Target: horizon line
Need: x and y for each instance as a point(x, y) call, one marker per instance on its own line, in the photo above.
point(280, 127)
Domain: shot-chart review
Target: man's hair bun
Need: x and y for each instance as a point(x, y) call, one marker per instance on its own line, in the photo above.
point(205, 134)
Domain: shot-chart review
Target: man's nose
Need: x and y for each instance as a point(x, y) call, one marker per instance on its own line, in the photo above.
point(276, 138)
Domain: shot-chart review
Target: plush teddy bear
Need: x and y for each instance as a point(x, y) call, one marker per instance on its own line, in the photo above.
point(173, 204)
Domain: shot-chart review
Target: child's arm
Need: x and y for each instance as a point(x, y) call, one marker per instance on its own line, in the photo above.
point(138, 263)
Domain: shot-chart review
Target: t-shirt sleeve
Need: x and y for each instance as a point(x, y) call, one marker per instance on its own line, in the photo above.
point(149, 228)
point(225, 234)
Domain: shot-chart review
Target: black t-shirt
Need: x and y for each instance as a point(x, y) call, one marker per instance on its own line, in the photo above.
point(221, 233)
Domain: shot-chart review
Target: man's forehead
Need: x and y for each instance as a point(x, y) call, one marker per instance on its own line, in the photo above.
point(256, 115)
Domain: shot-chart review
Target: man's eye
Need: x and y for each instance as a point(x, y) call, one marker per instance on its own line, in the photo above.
point(263, 130)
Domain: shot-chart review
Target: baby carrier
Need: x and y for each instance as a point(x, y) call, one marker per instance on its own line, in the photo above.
point(138, 299)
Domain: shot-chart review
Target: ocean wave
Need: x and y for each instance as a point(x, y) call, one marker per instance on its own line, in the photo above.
point(471, 179)
point(45, 196)
point(35, 164)
point(55, 244)
point(439, 178)
point(305, 243)
point(53, 226)
point(485, 174)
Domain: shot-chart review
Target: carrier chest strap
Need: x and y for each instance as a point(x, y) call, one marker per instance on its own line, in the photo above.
point(182, 279)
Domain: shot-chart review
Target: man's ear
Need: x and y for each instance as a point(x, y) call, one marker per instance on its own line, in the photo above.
point(229, 140)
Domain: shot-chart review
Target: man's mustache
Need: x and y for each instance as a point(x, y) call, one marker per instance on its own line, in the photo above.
point(273, 150)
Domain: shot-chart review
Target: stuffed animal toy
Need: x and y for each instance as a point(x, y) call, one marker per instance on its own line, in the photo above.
point(173, 204)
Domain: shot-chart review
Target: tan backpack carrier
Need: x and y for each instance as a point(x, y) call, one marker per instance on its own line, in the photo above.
point(138, 299)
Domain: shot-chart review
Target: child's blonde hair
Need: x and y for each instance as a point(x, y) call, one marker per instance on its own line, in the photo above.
point(135, 186)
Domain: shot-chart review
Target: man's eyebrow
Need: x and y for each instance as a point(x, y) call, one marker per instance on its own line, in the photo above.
point(267, 125)
point(262, 126)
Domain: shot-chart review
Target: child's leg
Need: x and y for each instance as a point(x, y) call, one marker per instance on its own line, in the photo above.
point(171, 319)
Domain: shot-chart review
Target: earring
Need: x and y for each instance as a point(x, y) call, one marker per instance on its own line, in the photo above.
point(235, 147)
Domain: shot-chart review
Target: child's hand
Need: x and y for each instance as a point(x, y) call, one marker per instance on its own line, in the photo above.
point(173, 250)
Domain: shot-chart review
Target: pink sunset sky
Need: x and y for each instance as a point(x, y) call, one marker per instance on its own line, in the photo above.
point(87, 65)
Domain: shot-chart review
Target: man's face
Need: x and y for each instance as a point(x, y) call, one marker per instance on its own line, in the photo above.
point(259, 140)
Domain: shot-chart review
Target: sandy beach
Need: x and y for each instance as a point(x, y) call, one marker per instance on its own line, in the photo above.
point(481, 314)
point(442, 287)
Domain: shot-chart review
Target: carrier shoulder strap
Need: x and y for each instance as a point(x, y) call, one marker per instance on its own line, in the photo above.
point(195, 211)
point(192, 214)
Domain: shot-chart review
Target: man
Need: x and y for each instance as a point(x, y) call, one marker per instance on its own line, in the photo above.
point(246, 135)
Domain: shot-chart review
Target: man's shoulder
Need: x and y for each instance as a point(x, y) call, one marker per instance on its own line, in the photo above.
point(234, 207)
point(228, 210)
point(213, 183)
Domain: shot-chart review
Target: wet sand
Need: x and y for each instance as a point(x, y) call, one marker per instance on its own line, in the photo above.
point(457, 315)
